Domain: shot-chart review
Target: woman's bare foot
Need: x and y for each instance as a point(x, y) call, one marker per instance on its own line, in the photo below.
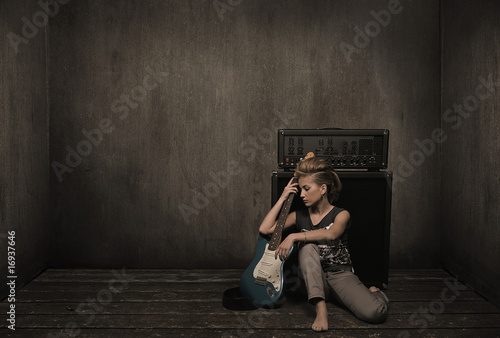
point(375, 289)
point(321, 321)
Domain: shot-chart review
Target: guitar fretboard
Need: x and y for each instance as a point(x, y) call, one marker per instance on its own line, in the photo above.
point(285, 210)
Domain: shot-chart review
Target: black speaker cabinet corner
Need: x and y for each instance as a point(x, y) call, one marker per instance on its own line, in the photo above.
point(367, 196)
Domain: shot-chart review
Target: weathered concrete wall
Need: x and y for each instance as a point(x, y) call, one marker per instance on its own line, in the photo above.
point(471, 179)
point(188, 101)
point(24, 164)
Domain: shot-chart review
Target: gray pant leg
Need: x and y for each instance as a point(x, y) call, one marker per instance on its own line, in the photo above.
point(312, 272)
point(368, 306)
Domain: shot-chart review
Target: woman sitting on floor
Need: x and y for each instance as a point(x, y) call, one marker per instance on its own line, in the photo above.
point(324, 260)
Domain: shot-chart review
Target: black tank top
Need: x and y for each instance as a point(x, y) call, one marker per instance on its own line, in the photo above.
point(334, 255)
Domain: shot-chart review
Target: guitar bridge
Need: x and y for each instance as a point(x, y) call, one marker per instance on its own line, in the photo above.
point(260, 281)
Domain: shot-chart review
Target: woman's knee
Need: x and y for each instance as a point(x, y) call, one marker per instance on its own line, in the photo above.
point(375, 313)
point(309, 253)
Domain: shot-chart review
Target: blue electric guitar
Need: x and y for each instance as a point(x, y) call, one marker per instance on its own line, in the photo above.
point(263, 280)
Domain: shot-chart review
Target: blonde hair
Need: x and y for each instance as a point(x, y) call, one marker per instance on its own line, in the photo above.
point(322, 173)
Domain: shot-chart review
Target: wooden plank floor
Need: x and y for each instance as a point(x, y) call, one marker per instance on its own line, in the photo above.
point(188, 303)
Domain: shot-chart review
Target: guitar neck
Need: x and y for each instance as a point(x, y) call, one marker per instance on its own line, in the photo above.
point(285, 210)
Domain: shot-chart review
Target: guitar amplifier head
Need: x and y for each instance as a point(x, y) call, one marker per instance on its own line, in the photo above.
point(343, 148)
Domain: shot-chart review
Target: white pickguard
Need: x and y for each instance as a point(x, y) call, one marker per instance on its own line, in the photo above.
point(269, 268)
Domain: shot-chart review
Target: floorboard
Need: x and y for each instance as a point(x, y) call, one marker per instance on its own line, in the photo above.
point(188, 303)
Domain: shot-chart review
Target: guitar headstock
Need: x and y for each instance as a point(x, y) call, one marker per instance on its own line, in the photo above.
point(309, 155)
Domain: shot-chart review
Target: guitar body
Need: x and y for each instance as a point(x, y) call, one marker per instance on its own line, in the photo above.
point(263, 280)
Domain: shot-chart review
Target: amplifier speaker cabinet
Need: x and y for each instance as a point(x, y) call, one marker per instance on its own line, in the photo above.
point(367, 197)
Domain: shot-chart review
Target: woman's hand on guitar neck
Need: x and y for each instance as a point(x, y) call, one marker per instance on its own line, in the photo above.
point(268, 225)
point(289, 189)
